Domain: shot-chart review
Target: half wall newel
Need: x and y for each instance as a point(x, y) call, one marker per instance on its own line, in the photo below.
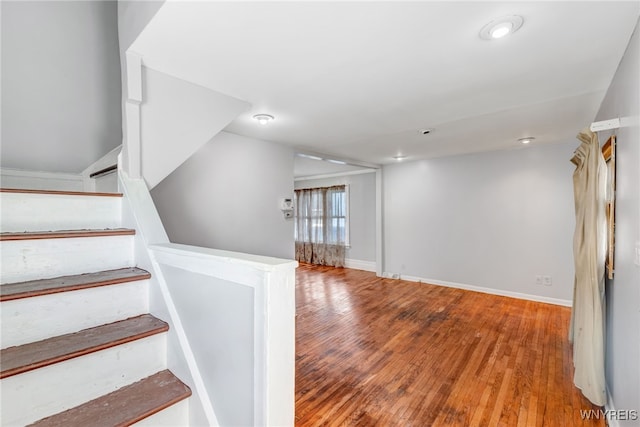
point(132, 152)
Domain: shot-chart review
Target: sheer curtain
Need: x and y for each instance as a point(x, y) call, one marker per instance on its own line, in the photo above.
point(321, 225)
point(589, 251)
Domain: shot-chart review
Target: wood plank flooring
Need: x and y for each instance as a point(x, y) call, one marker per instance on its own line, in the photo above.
point(381, 352)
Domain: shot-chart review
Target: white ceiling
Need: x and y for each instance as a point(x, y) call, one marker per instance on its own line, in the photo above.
point(359, 79)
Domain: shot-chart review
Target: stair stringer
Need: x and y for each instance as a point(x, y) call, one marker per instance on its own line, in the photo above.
point(138, 210)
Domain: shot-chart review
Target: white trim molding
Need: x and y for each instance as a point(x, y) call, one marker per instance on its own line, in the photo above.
point(334, 175)
point(379, 225)
point(610, 407)
point(132, 147)
point(358, 264)
point(326, 157)
point(492, 291)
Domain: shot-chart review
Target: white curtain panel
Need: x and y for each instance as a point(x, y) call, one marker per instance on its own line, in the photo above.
point(589, 250)
point(321, 225)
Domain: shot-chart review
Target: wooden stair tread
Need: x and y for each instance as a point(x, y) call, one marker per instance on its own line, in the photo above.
point(126, 405)
point(63, 234)
point(26, 357)
point(58, 192)
point(33, 288)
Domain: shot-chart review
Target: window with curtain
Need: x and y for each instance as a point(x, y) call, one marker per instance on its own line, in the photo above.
point(322, 225)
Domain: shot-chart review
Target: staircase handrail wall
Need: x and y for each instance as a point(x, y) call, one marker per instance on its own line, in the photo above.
point(139, 212)
point(272, 282)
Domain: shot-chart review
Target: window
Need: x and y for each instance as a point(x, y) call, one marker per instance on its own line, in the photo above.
point(321, 223)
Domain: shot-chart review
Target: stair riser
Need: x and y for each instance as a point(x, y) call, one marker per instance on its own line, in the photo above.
point(40, 393)
point(37, 212)
point(37, 318)
point(39, 259)
point(175, 415)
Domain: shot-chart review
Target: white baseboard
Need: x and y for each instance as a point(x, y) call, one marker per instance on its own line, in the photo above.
point(537, 298)
point(36, 180)
point(610, 407)
point(358, 264)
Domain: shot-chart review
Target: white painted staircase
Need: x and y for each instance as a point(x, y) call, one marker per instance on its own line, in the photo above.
point(78, 345)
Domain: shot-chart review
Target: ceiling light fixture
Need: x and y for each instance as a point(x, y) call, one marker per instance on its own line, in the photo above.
point(263, 119)
point(337, 162)
point(526, 140)
point(425, 131)
point(399, 157)
point(324, 159)
point(309, 156)
point(501, 27)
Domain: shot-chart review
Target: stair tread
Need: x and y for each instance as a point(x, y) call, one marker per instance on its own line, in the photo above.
point(33, 288)
point(58, 192)
point(62, 234)
point(126, 405)
point(23, 358)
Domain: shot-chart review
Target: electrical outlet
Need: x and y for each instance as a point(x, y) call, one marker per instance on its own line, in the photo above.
point(546, 280)
point(539, 280)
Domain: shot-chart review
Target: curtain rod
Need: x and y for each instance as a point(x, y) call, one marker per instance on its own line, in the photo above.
point(605, 125)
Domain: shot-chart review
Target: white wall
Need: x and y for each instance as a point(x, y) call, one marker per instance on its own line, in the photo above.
point(362, 212)
point(492, 220)
point(226, 196)
point(60, 84)
point(133, 17)
point(623, 293)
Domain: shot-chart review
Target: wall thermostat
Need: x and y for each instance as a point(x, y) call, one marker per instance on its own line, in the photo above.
point(286, 206)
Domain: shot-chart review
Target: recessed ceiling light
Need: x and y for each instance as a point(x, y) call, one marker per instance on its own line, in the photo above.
point(501, 27)
point(501, 31)
point(263, 119)
point(309, 156)
point(526, 140)
point(399, 157)
point(337, 162)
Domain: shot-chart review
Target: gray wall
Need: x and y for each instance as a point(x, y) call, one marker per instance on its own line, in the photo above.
point(493, 220)
point(362, 212)
point(221, 339)
point(226, 196)
point(623, 293)
point(60, 84)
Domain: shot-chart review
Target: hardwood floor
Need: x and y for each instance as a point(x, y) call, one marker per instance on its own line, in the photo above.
point(381, 352)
